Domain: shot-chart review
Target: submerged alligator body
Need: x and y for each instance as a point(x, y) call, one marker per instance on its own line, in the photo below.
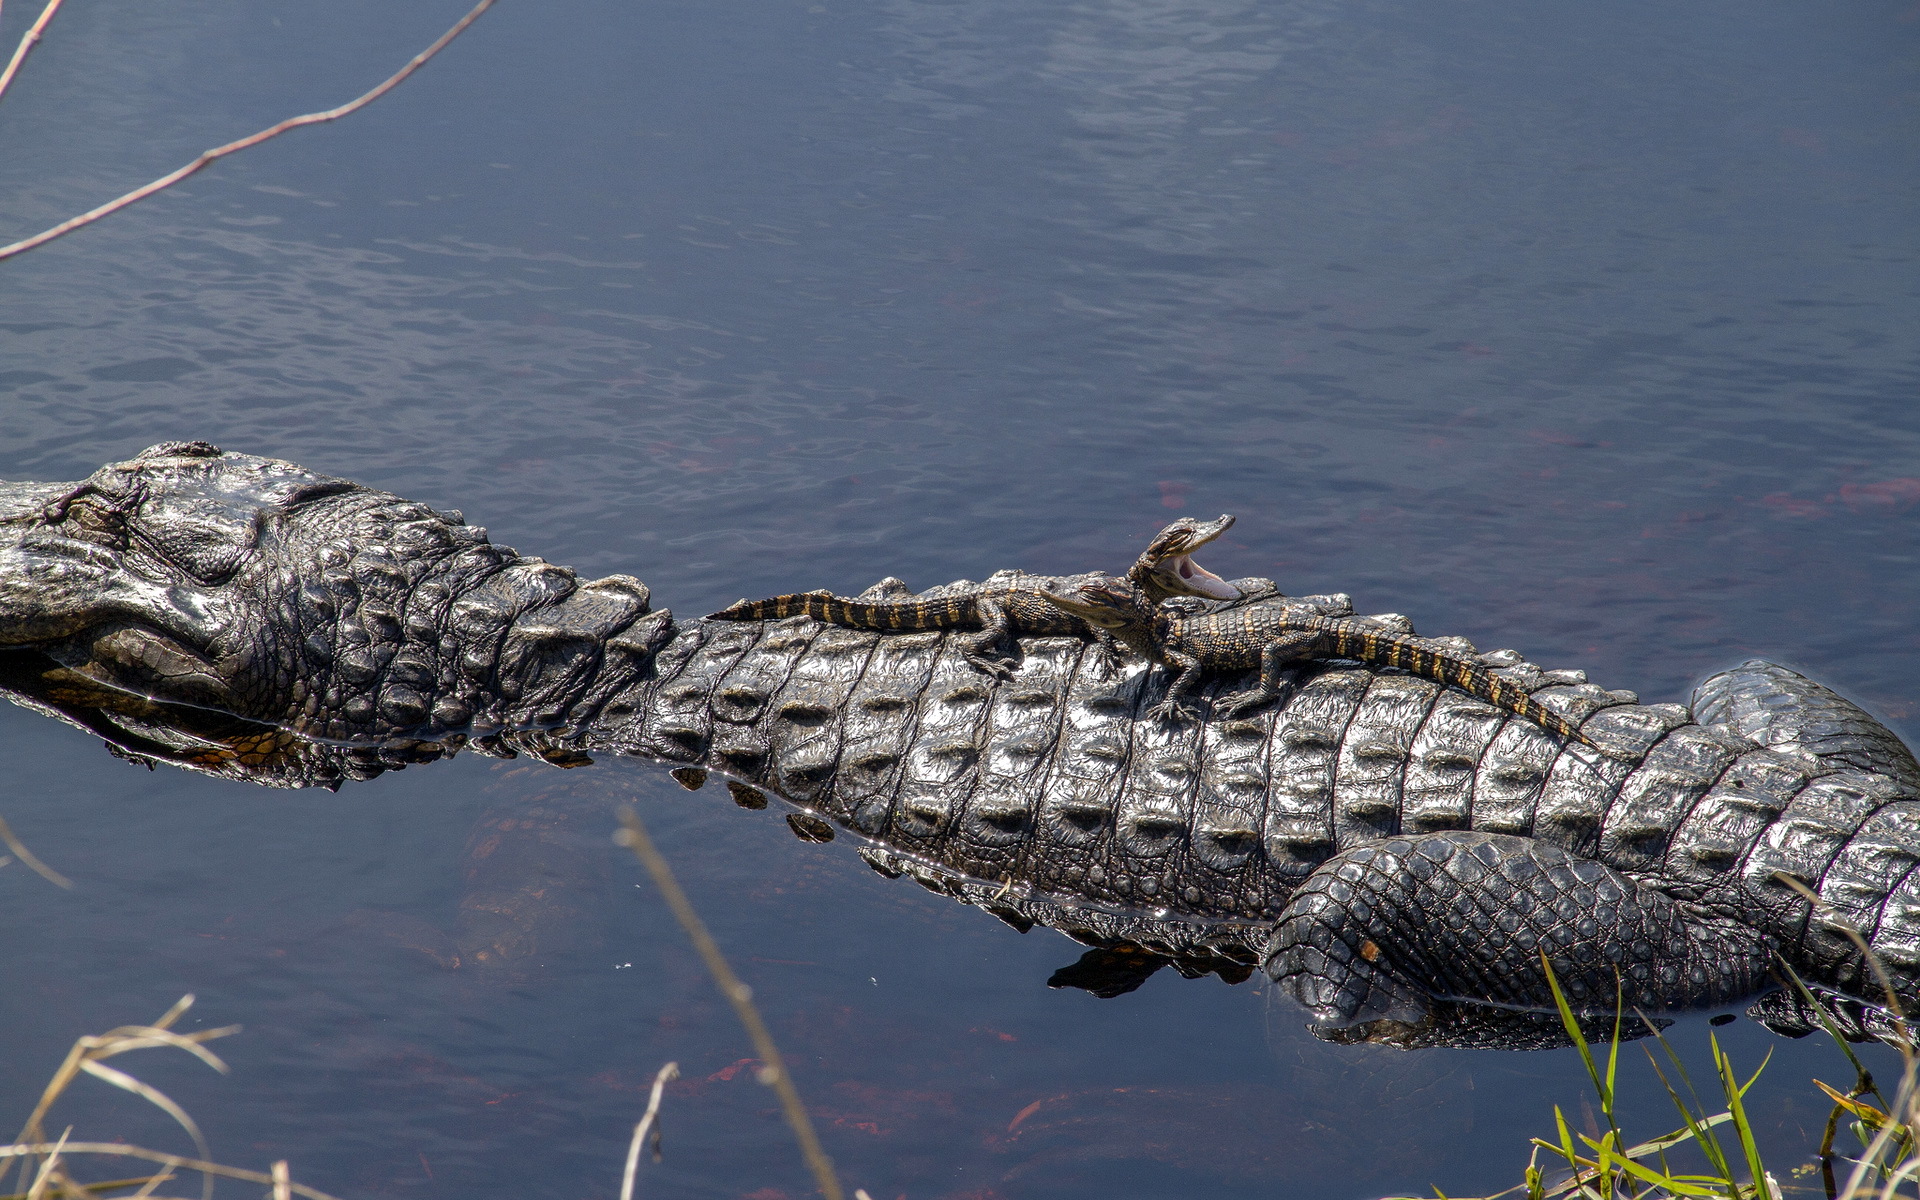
point(1011, 602)
point(1394, 852)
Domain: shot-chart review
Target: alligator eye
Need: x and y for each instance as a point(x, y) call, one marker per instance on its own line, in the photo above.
point(90, 516)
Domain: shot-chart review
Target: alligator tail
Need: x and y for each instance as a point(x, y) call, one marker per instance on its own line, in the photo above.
point(1411, 654)
point(906, 615)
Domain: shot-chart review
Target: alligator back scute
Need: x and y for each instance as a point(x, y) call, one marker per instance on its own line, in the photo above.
point(677, 726)
point(1896, 936)
point(1154, 818)
point(806, 722)
point(882, 714)
point(1658, 795)
point(1714, 839)
point(1877, 858)
point(743, 696)
point(1371, 767)
point(1629, 731)
point(1579, 700)
point(1299, 832)
point(1513, 776)
point(1805, 843)
point(1229, 874)
point(1017, 738)
point(1855, 890)
point(1082, 790)
point(1443, 762)
point(939, 769)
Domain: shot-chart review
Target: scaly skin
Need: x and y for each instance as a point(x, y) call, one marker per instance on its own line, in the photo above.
point(1011, 602)
point(1393, 852)
point(1269, 635)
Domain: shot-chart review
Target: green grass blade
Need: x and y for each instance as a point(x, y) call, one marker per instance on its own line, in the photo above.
point(1572, 1024)
point(1613, 1046)
point(1700, 1131)
point(1731, 1083)
point(1668, 1141)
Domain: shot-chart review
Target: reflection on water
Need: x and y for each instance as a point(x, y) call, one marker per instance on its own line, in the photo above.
point(1584, 332)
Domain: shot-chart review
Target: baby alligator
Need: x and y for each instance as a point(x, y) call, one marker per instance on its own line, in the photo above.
point(1268, 635)
point(1011, 602)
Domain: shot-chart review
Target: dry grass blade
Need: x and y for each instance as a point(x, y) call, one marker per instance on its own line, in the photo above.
point(282, 1181)
point(145, 1182)
point(48, 1168)
point(27, 856)
point(27, 44)
point(633, 835)
point(209, 156)
point(153, 1096)
point(668, 1072)
point(86, 1058)
point(171, 1161)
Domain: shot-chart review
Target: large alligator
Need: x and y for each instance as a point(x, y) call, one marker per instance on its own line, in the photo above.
point(1396, 854)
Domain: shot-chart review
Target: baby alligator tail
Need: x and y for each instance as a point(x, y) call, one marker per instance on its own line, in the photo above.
point(941, 613)
point(1392, 650)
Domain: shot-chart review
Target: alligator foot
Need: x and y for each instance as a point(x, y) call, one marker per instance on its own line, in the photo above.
point(1239, 702)
point(1000, 668)
point(1171, 712)
point(1383, 931)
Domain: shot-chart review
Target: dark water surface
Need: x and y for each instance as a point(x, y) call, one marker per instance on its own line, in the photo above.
point(1588, 331)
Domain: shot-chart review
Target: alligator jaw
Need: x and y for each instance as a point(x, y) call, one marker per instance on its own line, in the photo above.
point(1198, 580)
point(1177, 574)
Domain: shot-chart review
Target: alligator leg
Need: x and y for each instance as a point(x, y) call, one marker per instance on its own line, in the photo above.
point(1392, 930)
point(1173, 706)
point(1273, 657)
point(996, 630)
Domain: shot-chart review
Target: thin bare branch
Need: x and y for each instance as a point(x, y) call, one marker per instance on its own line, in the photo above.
point(209, 156)
point(27, 856)
point(670, 1071)
point(27, 44)
point(633, 835)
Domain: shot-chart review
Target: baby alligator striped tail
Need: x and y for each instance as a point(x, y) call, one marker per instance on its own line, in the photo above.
point(1352, 639)
point(940, 613)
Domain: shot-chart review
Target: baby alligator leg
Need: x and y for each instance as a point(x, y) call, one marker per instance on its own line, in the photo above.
point(1273, 657)
point(1185, 670)
point(996, 629)
point(1390, 930)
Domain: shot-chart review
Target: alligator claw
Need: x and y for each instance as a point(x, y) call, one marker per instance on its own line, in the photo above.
point(1000, 668)
point(1171, 711)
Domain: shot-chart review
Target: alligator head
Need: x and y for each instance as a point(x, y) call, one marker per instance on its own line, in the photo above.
point(1166, 566)
point(1119, 608)
point(252, 590)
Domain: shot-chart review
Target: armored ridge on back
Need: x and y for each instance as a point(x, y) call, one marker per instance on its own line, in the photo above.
point(1271, 633)
point(1008, 603)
